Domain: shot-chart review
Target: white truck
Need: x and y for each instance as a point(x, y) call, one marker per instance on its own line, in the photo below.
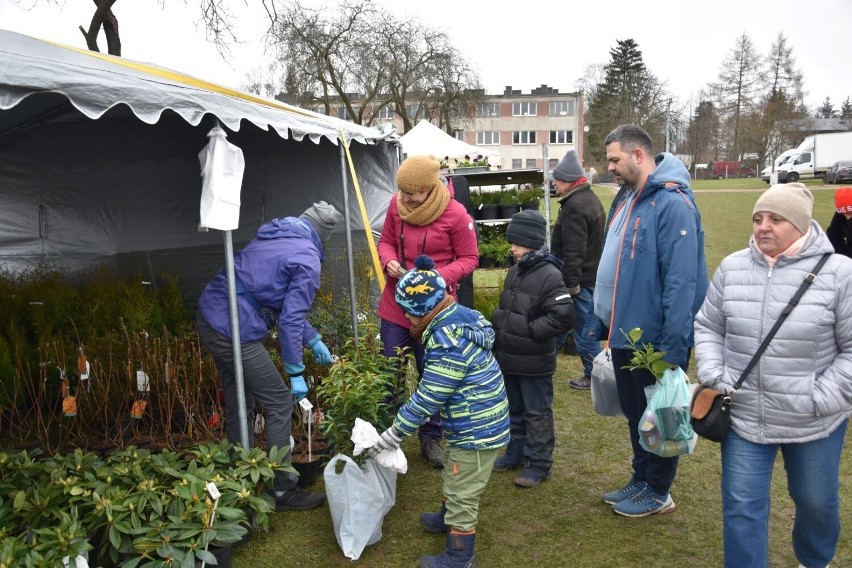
point(814, 155)
point(781, 159)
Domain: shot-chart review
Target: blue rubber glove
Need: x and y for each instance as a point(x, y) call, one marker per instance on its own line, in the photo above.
point(321, 353)
point(298, 387)
point(389, 440)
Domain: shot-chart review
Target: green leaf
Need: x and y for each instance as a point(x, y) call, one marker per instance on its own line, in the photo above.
point(659, 367)
point(635, 334)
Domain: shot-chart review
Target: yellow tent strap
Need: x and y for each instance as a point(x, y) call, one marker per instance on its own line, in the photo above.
point(377, 265)
point(185, 79)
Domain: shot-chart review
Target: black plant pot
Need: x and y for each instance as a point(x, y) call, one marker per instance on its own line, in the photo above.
point(509, 261)
point(530, 205)
point(308, 471)
point(490, 212)
point(486, 261)
point(506, 211)
point(222, 552)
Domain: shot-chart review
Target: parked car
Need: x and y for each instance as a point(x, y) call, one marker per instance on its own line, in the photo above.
point(724, 169)
point(838, 172)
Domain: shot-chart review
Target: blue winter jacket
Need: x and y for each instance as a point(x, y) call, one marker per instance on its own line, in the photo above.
point(460, 378)
point(278, 271)
point(662, 271)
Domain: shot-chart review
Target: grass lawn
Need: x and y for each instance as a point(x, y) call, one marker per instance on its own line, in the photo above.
point(563, 522)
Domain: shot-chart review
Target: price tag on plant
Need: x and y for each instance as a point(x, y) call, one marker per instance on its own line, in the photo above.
point(306, 404)
point(142, 382)
point(213, 491)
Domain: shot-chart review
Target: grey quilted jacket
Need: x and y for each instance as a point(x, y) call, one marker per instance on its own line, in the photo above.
point(801, 388)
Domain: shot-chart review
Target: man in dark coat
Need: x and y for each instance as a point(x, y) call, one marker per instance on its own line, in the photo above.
point(577, 241)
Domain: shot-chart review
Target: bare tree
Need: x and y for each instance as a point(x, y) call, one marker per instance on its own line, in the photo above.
point(359, 57)
point(736, 90)
point(264, 80)
point(217, 18)
point(782, 93)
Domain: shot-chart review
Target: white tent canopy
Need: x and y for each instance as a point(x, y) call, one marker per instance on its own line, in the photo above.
point(99, 163)
point(428, 139)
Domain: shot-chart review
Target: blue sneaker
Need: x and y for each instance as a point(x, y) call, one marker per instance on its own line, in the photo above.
point(645, 503)
point(626, 492)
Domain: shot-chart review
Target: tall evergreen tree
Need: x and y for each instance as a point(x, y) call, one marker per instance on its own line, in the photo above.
point(826, 109)
point(629, 93)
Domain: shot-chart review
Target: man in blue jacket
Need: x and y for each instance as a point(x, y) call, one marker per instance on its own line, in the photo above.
point(652, 275)
point(277, 278)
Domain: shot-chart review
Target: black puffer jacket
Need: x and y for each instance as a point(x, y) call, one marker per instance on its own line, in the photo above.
point(535, 307)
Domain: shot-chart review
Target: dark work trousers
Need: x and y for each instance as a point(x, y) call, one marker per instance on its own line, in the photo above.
point(263, 384)
point(394, 336)
point(465, 291)
point(657, 472)
point(531, 417)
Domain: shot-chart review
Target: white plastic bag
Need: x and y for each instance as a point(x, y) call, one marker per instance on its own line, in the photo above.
point(604, 389)
point(358, 498)
point(365, 435)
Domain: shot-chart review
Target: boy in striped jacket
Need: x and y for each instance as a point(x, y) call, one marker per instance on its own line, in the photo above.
point(462, 380)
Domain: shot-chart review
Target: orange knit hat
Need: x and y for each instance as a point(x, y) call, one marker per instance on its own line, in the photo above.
point(843, 200)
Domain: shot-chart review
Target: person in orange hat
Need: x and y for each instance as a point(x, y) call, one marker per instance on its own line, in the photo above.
point(840, 229)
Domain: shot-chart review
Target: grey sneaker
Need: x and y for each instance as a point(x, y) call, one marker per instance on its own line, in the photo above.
point(583, 383)
point(645, 503)
point(625, 492)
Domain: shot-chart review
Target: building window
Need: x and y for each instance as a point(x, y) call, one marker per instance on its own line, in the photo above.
point(552, 163)
point(414, 112)
point(517, 163)
point(459, 134)
point(342, 114)
point(523, 109)
point(561, 136)
point(531, 163)
point(523, 137)
point(487, 138)
point(386, 112)
point(486, 110)
point(562, 108)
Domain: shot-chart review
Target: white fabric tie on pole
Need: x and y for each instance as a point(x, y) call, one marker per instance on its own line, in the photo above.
point(222, 167)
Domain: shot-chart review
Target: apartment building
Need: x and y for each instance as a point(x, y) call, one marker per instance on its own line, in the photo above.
point(514, 123)
point(520, 124)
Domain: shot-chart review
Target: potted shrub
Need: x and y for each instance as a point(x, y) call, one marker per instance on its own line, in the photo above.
point(363, 383)
point(530, 197)
point(509, 204)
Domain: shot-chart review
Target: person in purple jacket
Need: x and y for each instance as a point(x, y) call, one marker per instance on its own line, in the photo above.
point(277, 276)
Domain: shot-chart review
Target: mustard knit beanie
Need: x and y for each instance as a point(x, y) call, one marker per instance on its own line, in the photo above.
point(418, 174)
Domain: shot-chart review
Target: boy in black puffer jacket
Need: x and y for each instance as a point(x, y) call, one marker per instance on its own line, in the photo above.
point(535, 308)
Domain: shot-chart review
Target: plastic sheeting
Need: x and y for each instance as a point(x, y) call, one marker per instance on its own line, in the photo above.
point(100, 166)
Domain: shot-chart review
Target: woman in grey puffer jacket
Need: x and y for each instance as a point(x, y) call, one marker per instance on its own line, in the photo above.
point(798, 398)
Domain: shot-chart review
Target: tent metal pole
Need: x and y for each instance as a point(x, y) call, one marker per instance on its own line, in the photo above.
point(546, 175)
point(349, 258)
point(235, 339)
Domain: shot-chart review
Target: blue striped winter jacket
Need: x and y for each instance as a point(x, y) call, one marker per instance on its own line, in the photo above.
point(461, 379)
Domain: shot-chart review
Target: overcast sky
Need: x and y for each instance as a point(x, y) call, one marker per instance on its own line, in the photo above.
point(522, 44)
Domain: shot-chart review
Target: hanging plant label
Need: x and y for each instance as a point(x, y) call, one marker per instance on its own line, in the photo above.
point(213, 491)
point(85, 371)
point(138, 409)
point(142, 382)
point(69, 406)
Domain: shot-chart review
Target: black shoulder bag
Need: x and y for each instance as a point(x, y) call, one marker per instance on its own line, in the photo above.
point(710, 409)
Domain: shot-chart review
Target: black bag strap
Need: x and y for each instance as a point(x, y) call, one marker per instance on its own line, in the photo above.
point(784, 313)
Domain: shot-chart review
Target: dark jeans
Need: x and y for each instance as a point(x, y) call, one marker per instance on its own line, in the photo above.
point(657, 472)
point(394, 336)
point(263, 384)
point(531, 417)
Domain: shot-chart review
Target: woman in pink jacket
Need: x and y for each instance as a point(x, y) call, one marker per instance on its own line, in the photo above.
point(422, 218)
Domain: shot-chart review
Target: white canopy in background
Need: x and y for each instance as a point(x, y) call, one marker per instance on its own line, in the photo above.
point(428, 139)
point(99, 164)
